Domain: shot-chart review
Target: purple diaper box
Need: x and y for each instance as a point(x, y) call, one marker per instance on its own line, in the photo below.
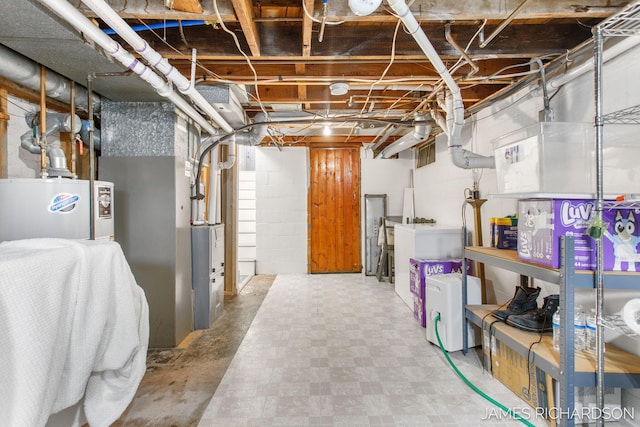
point(418, 270)
point(543, 221)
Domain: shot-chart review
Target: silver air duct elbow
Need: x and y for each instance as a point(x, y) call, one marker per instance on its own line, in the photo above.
point(465, 159)
point(231, 153)
point(421, 131)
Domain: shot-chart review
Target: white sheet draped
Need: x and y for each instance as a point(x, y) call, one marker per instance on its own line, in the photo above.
point(73, 323)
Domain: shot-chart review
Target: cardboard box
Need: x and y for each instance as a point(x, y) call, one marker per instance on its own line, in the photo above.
point(526, 380)
point(541, 391)
point(543, 221)
point(418, 270)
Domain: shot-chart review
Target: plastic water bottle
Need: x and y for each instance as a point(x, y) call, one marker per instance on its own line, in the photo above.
point(579, 331)
point(590, 345)
point(556, 330)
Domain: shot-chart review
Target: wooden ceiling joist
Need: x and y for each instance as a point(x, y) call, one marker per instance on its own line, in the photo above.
point(244, 12)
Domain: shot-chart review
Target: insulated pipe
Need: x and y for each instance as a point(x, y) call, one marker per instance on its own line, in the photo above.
point(623, 46)
point(25, 72)
point(157, 61)
point(112, 48)
point(455, 113)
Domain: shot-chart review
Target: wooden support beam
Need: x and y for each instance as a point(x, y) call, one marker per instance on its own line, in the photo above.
point(4, 120)
point(244, 11)
point(307, 27)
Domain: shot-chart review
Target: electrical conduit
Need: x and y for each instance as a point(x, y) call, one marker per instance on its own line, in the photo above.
point(157, 61)
point(455, 114)
point(112, 48)
point(471, 385)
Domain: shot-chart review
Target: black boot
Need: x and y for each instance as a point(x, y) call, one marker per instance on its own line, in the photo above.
point(539, 320)
point(523, 301)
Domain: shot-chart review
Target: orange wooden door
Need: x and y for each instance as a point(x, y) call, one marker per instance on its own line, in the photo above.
point(334, 211)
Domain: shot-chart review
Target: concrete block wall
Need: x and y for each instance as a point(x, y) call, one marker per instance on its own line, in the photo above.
point(281, 210)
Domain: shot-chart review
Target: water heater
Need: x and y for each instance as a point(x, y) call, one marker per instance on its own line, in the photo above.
point(58, 207)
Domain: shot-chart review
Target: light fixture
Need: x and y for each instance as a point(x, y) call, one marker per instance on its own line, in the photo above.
point(326, 131)
point(339, 88)
point(364, 7)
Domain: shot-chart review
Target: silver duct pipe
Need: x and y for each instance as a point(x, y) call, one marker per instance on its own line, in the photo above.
point(421, 131)
point(55, 122)
point(231, 153)
point(455, 113)
point(26, 72)
point(259, 132)
point(69, 13)
point(157, 61)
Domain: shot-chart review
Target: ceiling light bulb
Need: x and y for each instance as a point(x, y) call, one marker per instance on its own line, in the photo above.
point(326, 131)
point(339, 88)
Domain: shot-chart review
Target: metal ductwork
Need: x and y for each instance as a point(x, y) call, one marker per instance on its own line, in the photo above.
point(263, 121)
point(455, 110)
point(158, 62)
point(421, 131)
point(25, 72)
point(56, 122)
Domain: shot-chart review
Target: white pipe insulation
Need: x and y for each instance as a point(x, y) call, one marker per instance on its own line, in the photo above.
point(455, 114)
point(157, 61)
point(70, 14)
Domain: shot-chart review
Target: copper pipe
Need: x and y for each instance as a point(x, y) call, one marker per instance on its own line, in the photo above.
point(503, 24)
point(43, 122)
point(73, 129)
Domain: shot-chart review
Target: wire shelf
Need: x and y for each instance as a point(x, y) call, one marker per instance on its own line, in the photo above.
point(628, 116)
point(625, 23)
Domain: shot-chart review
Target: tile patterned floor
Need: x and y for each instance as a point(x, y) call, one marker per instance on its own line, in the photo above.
point(344, 350)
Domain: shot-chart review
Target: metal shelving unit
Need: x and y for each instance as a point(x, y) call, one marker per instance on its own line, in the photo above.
point(623, 24)
point(563, 367)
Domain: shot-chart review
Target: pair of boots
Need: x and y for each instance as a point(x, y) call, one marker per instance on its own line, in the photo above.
point(523, 312)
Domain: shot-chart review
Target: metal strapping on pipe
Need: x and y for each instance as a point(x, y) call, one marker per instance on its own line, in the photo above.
point(157, 61)
point(111, 47)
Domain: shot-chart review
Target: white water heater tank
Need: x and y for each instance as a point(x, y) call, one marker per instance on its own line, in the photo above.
point(37, 208)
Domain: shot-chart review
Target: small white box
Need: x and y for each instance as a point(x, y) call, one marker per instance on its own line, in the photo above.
point(444, 297)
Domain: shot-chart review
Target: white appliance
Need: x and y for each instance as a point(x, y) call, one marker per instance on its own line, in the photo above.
point(57, 207)
point(443, 296)
point(422, 241)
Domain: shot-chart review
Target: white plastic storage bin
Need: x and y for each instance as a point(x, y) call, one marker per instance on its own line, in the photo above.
point(444, 297)
point(422, 241)
point(546, 158)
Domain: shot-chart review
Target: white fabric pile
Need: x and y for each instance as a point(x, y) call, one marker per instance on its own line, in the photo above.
point(73, 324)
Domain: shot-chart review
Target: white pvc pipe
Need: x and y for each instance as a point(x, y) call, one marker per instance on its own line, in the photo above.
point(455, 111)
point(111, 18)
point(112, 48)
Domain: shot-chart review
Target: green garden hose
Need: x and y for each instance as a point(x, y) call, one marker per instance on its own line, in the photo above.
point(473, 387)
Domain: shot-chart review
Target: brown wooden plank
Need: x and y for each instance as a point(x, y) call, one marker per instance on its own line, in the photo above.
point(4, 121)
point(244, 11)
point(335, 206)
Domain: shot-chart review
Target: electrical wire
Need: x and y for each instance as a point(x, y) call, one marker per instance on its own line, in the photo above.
point(386, 70)
point(246, 57)
point(508, 411)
